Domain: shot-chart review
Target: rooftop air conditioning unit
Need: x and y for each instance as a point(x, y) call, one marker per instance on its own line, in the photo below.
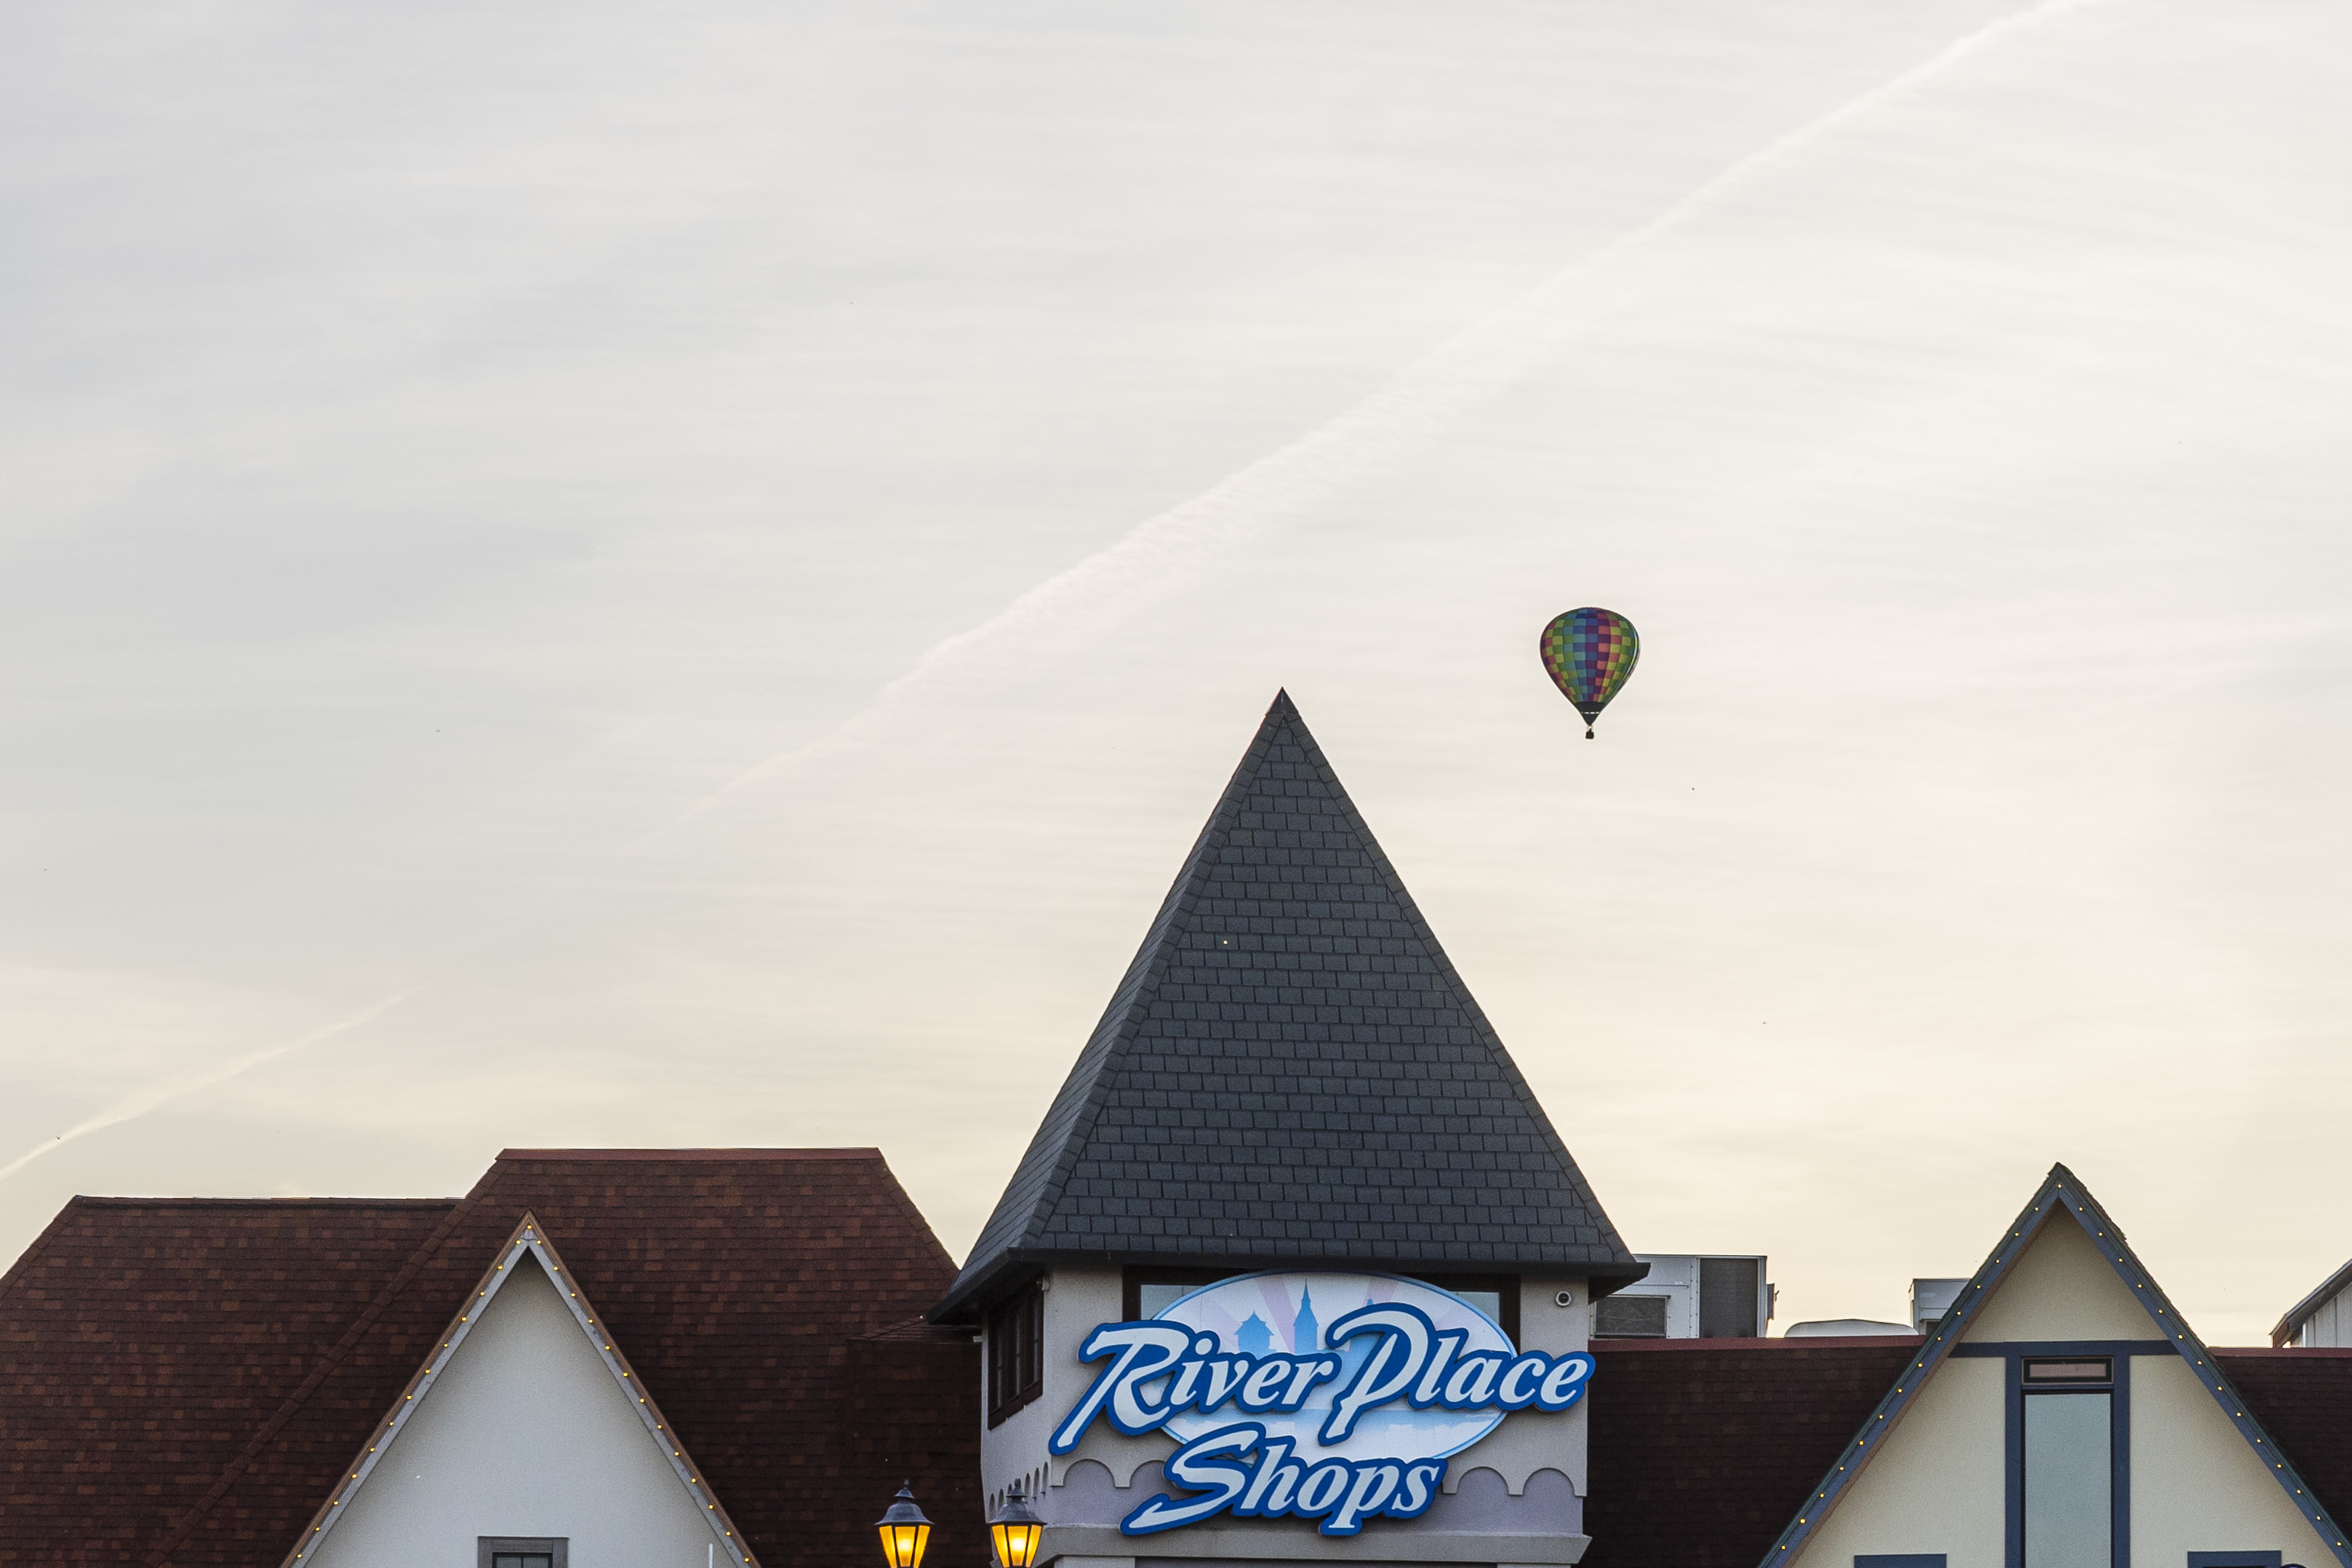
point(1687, 1296)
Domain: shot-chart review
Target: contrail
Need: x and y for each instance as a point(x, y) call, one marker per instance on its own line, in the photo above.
point(1460, 373)
point(1456, 376)
point(155, 1098)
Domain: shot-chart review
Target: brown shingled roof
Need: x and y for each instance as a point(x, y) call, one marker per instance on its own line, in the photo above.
point(1702, 1449)
point(2304, 1400)
point(267, 1340)
point(143, 1341)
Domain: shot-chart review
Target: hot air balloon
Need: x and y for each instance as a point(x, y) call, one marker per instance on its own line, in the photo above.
point(1588, 653)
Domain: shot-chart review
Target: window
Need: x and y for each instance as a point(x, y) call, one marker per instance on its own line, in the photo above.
point(521, 1551)
point(1016, 1351)
point(1630, 1318)
point(2068, 1472)
point(1150, 1291)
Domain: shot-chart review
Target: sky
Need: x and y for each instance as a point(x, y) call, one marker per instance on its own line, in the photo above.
point(624, 575)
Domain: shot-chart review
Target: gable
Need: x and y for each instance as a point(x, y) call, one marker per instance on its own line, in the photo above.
point(548, 1420)
point(700, 1258)
point(2156, 1455)
point(2059, 1287)
point(524, 1432)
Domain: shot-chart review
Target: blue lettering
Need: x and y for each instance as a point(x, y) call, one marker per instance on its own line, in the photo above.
point(1193, 1465)
point(1275, 1483)
point(1163, 1368)
point(1144, 1351)
point(1406, 1336)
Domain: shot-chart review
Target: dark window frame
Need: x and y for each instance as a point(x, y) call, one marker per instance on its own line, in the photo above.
point(1015, 1352)
point(1133, 1278)
point(2115, 1388)
point(556, 1548)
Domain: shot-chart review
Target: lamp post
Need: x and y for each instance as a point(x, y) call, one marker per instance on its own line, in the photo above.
point(904, 1531)
point(1016, 1531)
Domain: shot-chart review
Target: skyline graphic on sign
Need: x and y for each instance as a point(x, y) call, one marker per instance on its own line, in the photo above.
point(1288, 1311)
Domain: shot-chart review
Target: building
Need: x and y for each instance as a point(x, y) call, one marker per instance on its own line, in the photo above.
point(2061, 1413)
point(1296, 1269)
point(2321, 1319)
point(1293, 1089)
point(595, 1359)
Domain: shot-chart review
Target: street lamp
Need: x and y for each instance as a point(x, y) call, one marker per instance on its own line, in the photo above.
point(904, 1531)
point(1016, 1531)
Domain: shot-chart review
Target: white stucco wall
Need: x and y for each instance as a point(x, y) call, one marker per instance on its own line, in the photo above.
point(2062, 1288)
point(523, 1433)
point(2196, 1484)
point(1938, 1483)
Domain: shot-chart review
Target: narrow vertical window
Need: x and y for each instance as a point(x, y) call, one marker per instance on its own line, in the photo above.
point(1016, 1351)
point(2070, 1473)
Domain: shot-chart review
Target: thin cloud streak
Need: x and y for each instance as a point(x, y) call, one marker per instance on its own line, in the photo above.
point(155, 1098)
point(1452, 380)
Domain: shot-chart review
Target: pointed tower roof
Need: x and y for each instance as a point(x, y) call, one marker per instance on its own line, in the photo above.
point(1291, 1071)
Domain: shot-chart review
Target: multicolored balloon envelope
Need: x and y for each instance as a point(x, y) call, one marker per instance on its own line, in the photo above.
point(1590, 652)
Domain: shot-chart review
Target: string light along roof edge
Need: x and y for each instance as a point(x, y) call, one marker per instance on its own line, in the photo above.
point(2060, 1191)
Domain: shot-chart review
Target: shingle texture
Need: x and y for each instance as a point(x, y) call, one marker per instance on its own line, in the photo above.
point(182, 1383)
point(1291, 1071)
point(2304, 1400)
point(1702, 1449)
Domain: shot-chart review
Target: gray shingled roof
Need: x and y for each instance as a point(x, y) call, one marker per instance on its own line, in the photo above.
point(1292, 1071)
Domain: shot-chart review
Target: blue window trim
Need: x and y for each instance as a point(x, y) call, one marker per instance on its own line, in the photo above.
point(1910, 1560)
point(2013, 1353)
point(2236, 1560)
point(2015, 1348)
point(2061, 1193)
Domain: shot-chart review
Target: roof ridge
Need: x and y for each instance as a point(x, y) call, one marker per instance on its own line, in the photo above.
point(360, 1328)
point(528, 1237)
point(2293, 1318)
point(1469, 999)
point(1289, 979)
point(25, 1259)
point(1151, 960)
point(1115, 1029)
point(2060, 1189)
point(119, 1203)
point(606, 1155)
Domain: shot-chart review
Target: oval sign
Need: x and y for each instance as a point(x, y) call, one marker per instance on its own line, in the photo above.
point(1287, 1313)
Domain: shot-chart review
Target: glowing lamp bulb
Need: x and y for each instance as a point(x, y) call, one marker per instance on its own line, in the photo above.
point(904, 1531)
point(1016, 1532)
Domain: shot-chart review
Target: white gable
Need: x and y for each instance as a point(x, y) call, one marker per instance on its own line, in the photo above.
point(2060, 1289)
point(524, 1432)
point(2196, 1485)
point(1929, 1476)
